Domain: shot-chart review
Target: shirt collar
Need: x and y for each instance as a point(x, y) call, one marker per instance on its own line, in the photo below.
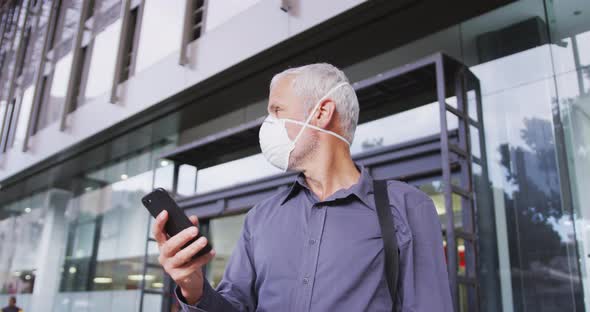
point(362, 189)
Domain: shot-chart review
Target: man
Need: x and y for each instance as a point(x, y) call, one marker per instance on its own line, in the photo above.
point(316, 246)
point(12, 306)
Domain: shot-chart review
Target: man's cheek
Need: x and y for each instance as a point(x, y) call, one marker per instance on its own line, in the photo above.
point(292, 130)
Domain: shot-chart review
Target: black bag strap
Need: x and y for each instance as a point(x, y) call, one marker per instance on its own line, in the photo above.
point(389, 239)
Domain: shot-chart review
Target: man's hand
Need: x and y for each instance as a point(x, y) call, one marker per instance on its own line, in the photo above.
point(186, 272)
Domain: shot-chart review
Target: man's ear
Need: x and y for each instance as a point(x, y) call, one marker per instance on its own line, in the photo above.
point(325, 113)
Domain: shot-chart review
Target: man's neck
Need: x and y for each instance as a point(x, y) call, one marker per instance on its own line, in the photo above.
point(329, 173)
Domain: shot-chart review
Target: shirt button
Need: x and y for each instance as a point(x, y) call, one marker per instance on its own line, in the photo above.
point(305, 280)
point(312, 241)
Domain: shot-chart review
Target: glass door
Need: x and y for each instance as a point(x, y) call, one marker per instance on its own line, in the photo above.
point(576, 119)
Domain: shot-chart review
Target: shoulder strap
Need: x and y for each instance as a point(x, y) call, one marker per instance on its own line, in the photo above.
point(389, 239)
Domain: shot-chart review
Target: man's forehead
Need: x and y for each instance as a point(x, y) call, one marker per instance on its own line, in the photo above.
point(281, 93)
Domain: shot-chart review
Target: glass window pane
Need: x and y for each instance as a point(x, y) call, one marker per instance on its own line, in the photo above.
point(7, 246)
point(71, 10)
point(164, 177)
point(23, 117)
point(33, 55)
point(108, 232)
point(2, 111)
point(152, 303)
point(223, 234)
point(102, 63)
point(161, 31)
point(570, 35)
point(224, 175)
point(435, 191)
point(370, 135)
point(84, 240)
point(187, 178)
point(21, 22)
point(52, 107)
point(20, 236)
point(6, 74)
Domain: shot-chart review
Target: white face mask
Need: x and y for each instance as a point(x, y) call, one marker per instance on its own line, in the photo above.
point(275, 143)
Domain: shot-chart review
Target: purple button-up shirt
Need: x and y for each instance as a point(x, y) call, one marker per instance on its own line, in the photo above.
point(297, 253)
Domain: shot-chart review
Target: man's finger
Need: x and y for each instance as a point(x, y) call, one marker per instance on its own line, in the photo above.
point(192, 266)
point(158, 230)
point(194, 220)
point(185, 255)
point(204, 259)
point(197, 263)
point(173, 245)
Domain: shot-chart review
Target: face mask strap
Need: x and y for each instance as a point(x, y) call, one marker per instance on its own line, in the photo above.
point(319, 129)
point(313, 112)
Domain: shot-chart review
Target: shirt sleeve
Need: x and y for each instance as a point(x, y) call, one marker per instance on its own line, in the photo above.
point(235, 292)
point(424, 279)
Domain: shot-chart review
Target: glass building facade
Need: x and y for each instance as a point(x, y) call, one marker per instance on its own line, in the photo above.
point(76, 238)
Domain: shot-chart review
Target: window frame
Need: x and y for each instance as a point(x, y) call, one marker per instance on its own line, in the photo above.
point(190, 27)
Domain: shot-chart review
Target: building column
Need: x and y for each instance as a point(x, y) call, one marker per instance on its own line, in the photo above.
point(51, 252)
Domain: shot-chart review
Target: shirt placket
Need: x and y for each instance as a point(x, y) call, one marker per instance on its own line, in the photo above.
point(310, 259)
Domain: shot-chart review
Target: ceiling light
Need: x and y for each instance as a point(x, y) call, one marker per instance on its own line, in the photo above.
point(102, 280)
point(139, 277)
point(124, 176)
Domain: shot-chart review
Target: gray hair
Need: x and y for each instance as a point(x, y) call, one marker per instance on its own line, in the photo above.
point(313, 81)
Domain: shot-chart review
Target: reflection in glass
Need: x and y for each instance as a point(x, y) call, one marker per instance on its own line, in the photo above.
point(535, 240)
point(161, 31)
point(574, 102)
point(522, 142)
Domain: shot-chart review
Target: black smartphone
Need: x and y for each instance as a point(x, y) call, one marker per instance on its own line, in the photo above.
point(159, 200)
